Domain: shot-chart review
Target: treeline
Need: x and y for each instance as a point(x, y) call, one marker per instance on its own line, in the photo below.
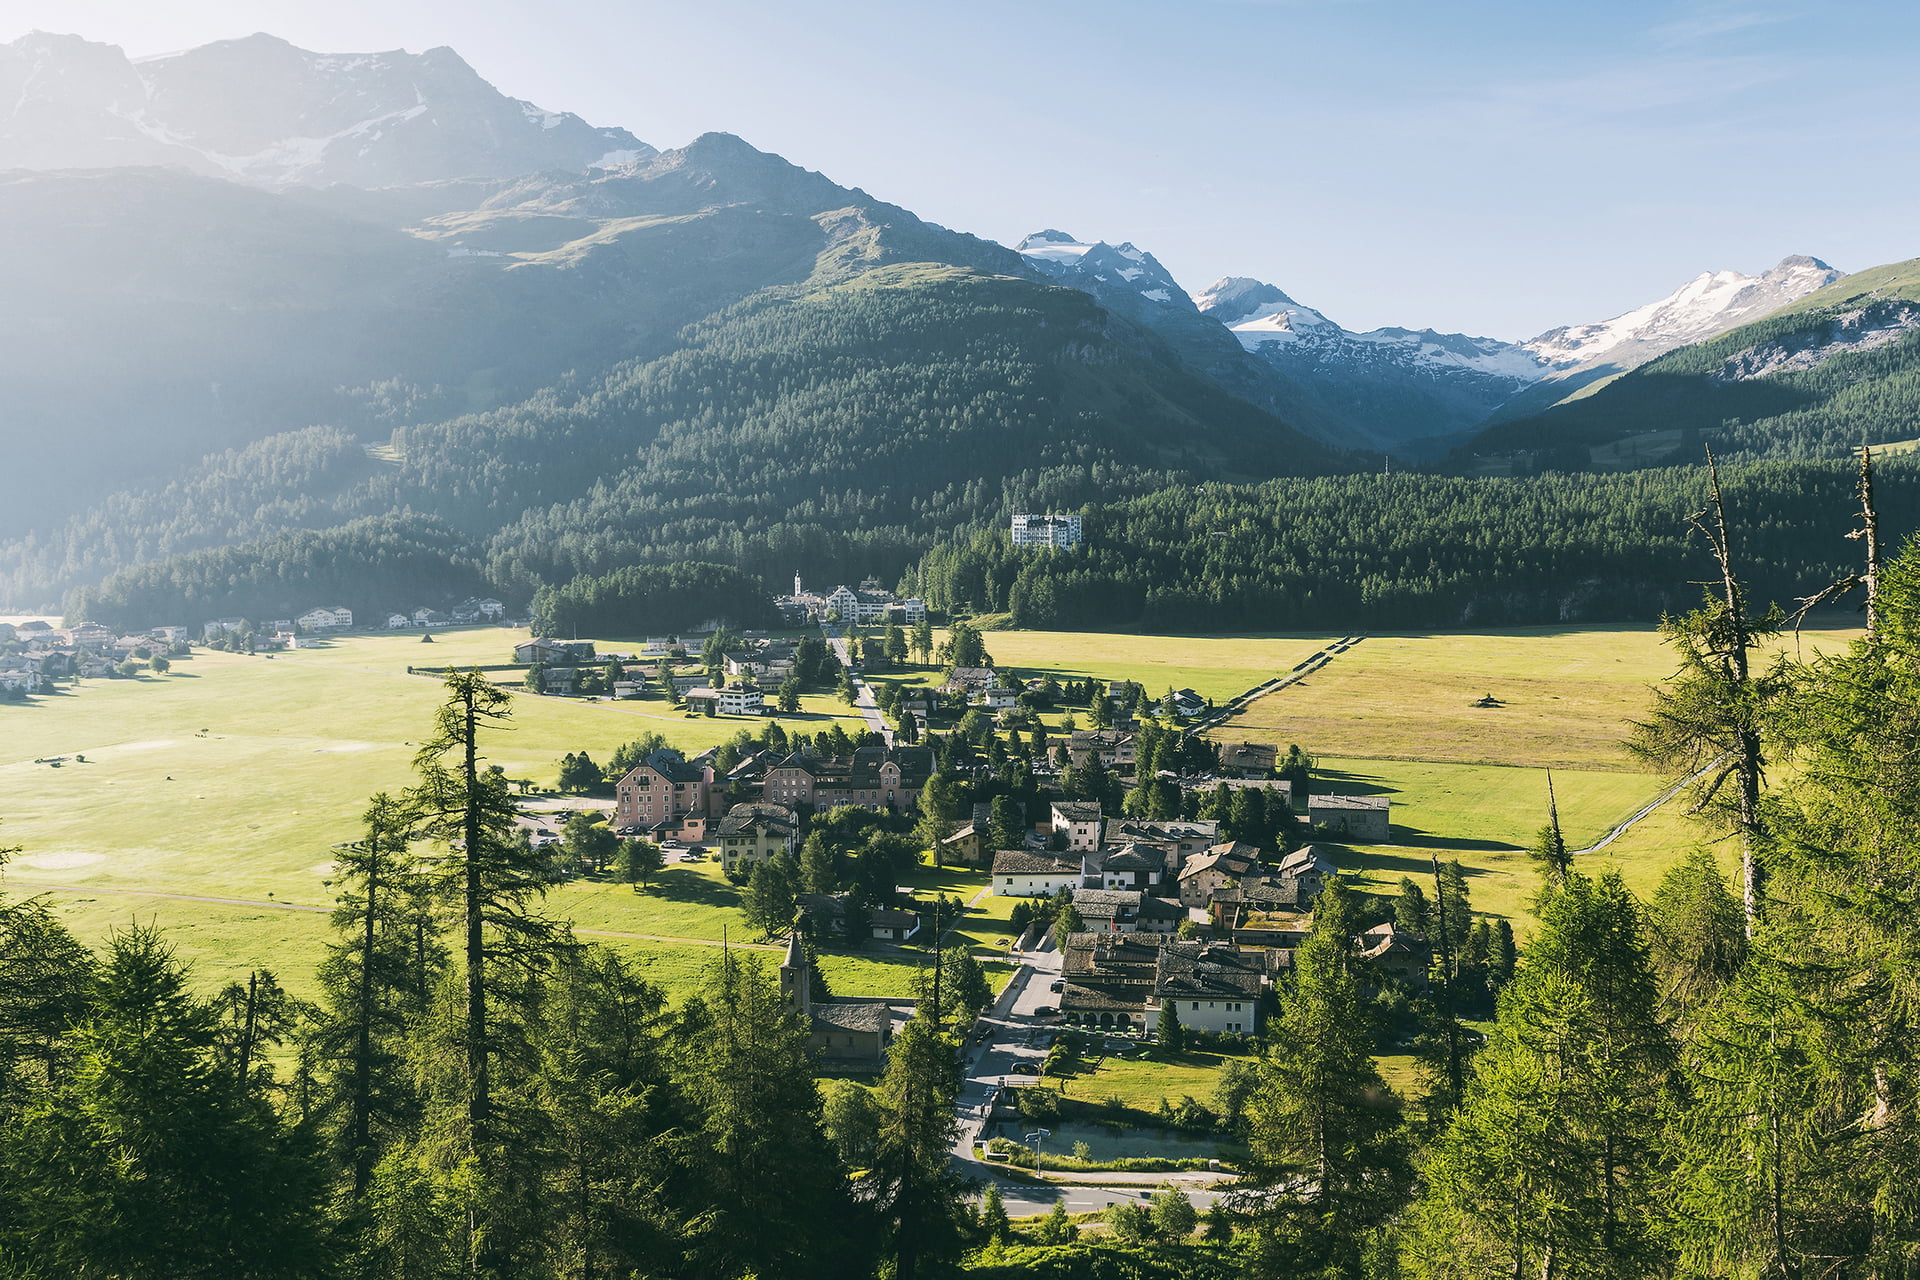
point(307, 479)
point(656, 598)
point(1415, 550)
point(369, 566)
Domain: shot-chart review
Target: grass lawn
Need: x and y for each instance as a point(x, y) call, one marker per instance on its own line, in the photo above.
point(1566, 695)
point(1142, 1084)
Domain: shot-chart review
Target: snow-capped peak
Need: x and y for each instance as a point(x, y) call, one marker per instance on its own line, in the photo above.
point(1707, 305)
point(1051, 246)
point(1100, 267)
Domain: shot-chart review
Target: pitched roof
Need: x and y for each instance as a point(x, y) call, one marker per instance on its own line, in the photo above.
point(1078, 810)
point(745, 818)
point(1250, 755)
point(1226, 858)
point(874, 1018)
point(1347, 802)
point(1132, 857)
point(1018, 862)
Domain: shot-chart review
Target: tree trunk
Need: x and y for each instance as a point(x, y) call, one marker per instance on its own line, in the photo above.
point(479, 1110)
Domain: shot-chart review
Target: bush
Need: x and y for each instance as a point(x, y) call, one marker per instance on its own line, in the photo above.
point(1174, 1217)
point(1038, 1104)
point(1129, 1221)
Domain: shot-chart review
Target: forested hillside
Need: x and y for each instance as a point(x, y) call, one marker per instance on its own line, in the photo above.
point(1838, 368)
point(830, 430)
point(1417, 550)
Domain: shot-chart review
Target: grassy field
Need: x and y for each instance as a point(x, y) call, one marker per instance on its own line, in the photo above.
point(1395, 715)
point(234, 776)
point(1142, 1084)
point(1217, 667)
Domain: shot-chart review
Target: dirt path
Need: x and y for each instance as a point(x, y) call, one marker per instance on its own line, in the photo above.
point(1308, 666)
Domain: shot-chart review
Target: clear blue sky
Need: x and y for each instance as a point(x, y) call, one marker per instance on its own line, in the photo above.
point(1492, 166)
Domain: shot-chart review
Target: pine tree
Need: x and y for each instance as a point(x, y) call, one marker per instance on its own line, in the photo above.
point(775, 1202)
point(371, 988)
point(1171, 1036)
point(145, 1160)
point(1327, 1166)
point(1550, 1167)
point(769, 901)
point(493, 884)
point(1706, 721)
point(913, 1179)
point(993, 1215)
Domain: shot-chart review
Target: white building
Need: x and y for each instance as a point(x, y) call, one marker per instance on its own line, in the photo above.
point(1033, 875)
point(871, 605)
point(742, 701)
point(1080, 819)
point(1059, 531)
point(395, 621)
point(326, 618)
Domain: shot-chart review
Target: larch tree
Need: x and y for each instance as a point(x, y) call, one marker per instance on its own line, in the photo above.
point(1328, 1166)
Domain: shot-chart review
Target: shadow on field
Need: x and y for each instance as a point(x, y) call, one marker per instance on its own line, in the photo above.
point(1418, 839)
point(1403, 864)
point(683, 884)
point(1354, 784)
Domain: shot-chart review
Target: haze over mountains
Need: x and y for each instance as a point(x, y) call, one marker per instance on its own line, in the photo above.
point(273, 291)
point(259, 110)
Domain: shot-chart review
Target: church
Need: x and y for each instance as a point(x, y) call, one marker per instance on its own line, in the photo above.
point(850, 1032)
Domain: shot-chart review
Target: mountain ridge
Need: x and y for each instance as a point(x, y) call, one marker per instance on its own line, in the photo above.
point(261, 111)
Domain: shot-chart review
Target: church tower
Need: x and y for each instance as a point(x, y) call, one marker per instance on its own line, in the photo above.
point(796, 982)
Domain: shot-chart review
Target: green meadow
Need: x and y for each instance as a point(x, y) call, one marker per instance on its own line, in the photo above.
point(234, 776)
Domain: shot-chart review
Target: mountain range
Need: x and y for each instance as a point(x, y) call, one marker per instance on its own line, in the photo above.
point(1413, 391)
point(274, 291)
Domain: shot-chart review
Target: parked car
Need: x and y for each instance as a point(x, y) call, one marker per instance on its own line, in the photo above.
point(1045, 1011)
point(1024, 1069)
point(1057, 986)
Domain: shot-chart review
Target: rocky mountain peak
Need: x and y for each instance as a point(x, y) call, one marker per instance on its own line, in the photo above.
point(263, 111)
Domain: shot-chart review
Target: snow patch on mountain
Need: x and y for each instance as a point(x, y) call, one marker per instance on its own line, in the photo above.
point(1096, 266)
point(1708, 305)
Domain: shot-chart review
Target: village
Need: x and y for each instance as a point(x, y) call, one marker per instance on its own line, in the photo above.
point(1184, 884)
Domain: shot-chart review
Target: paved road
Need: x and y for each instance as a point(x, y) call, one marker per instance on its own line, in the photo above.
point(862, 695)
point(1015, 1034)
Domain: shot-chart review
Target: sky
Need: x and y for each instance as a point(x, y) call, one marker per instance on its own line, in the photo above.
point(1492, 167)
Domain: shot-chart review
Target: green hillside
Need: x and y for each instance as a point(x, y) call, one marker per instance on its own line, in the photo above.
point(718, 356)
point(1836, 369)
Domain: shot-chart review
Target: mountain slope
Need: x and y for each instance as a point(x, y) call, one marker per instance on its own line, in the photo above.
point(706, 351)
point(1838, 367)
point(1393, 387)
point(1711, 303)
point(258, 110)
point(1132, 283)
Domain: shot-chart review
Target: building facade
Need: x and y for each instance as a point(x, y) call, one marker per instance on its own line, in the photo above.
point(1050, 530)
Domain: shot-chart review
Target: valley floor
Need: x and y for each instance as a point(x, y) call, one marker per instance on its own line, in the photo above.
point(209, 800)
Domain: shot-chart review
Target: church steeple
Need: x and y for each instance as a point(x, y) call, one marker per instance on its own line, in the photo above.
point(796, 981)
